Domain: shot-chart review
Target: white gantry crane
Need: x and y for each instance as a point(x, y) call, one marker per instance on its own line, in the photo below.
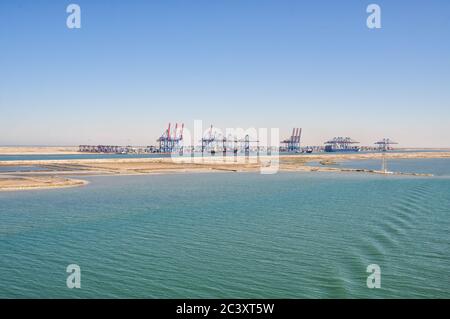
point(384, 146)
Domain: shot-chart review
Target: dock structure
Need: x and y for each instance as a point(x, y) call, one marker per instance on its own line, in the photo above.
point(214, 141)
point(171, 140)
point(341, 144)
point(385, 144)
point(116, 149)
point(210, 141)
point(292, 144)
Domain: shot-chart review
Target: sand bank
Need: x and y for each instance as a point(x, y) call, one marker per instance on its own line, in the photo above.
point(231, 163)
point(38, 150)
point(15, 183)
point(138, 166)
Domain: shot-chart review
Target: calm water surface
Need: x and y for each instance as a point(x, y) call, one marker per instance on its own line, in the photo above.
point(435, 166)
point(229, 235)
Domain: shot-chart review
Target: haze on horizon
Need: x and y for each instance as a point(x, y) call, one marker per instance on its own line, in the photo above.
point(135, 66)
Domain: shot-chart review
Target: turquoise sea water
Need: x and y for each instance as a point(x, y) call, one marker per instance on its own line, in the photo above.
point(435, 166)
point(288, 235)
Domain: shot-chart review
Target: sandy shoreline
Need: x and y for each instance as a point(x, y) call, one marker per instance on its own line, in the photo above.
point(15, 183)
point(215, 162)
point(38, 150)
point(71, 150)
point(51, 170)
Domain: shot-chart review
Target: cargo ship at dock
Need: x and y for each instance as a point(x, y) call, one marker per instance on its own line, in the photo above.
point(342, 144)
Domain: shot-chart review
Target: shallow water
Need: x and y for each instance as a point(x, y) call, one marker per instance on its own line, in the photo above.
point(229, 235)
point(435, 166)
point(19, 168)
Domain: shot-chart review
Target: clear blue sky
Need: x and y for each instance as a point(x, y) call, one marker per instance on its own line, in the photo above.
point(136, 65)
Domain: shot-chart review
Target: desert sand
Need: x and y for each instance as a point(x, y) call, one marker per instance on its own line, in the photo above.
point(15, 183)
point(50, 177)
point(36, 150)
